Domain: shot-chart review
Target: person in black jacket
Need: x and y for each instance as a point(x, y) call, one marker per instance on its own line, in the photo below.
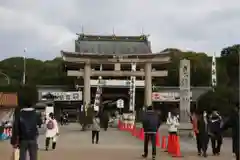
point(233, 123)
point(203, 133)
point(151, 123)
point(25, 132)
point(215, 121)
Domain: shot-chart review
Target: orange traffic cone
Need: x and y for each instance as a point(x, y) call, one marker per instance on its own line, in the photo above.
point(124, 126)
point(133, 130)
point(120, 125)
point(176, 149)
point(163, 146)
point(170, 144)
point(129, 127)
point(157, 140)
point(141, 134)
point(136, 133)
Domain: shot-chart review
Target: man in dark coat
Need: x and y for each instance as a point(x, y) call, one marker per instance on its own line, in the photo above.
point(105, 119)
point(151, 123)
point(25, 132)
point(233, 122)
point(215, 121)
point(203, 133)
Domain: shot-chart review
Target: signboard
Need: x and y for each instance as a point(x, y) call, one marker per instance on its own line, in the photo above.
point(65, 96)
point(120, 103)
point(167, 96)
point(116, 83)
point(48, 110)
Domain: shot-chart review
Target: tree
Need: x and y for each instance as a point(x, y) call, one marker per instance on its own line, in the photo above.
point(230, 57)
point(37, 72)
point(221, 99)
point(200, 68)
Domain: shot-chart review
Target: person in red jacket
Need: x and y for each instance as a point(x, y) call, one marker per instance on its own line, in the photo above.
point(194, 120)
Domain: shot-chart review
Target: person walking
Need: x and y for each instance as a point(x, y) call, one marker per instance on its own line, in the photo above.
point(203, 131)
point(194, 120)
point(233, 123)
point(215, 121)
point(105, 119)
point(95, 128)
point(25, 132)
point(151, 123)
point(52, 131)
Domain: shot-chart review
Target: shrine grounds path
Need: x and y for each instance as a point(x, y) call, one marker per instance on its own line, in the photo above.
point(74, 144)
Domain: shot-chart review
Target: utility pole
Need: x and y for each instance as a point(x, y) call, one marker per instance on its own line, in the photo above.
point(24, 67)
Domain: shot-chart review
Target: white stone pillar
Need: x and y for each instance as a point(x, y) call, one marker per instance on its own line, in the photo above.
point(185, 90)
point(148, 84)
point(87, 85)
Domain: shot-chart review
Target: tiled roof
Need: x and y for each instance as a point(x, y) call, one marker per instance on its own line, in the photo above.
point(8, 99)
point(112, 44)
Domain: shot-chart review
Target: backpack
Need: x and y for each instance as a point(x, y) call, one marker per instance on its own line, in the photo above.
point(50, 124)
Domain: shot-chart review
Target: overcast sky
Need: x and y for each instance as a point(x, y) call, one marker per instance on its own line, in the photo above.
point(45, 27)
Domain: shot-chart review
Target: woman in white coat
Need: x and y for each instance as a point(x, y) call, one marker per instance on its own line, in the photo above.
point(173, 124)
point(52, 131)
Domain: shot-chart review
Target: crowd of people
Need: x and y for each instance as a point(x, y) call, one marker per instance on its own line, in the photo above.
point(205, 126)
point(211, 127)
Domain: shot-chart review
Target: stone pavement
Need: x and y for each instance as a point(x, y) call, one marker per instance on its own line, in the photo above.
point(114, 145)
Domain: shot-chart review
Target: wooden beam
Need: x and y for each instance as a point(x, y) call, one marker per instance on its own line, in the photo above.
point(158, 60)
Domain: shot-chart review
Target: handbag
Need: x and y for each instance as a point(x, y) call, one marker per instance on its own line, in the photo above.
point(15, 154)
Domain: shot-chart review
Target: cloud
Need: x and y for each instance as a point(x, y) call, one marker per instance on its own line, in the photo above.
point(46, 27)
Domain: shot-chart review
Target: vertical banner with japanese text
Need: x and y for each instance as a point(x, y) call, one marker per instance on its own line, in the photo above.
point(132, 89)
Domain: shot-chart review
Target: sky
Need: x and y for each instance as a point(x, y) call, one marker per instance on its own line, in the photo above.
point(45, 27)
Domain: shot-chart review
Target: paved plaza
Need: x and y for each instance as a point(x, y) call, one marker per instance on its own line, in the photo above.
point(74, 144)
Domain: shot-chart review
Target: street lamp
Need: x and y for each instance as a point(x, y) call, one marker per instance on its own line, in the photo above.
point(6, 77)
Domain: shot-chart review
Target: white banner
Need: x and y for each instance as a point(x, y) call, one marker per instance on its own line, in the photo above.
point(167, 96)
point(120, 103)
point(64, 96)
point(214, 71)
point(132, 89)
point(97, 99)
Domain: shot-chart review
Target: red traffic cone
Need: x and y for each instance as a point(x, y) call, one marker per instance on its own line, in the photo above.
point(176, 149)
point(133, 130)
point(163, 146)
point(119, 124)
point(136, 133)
point(170, 144)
